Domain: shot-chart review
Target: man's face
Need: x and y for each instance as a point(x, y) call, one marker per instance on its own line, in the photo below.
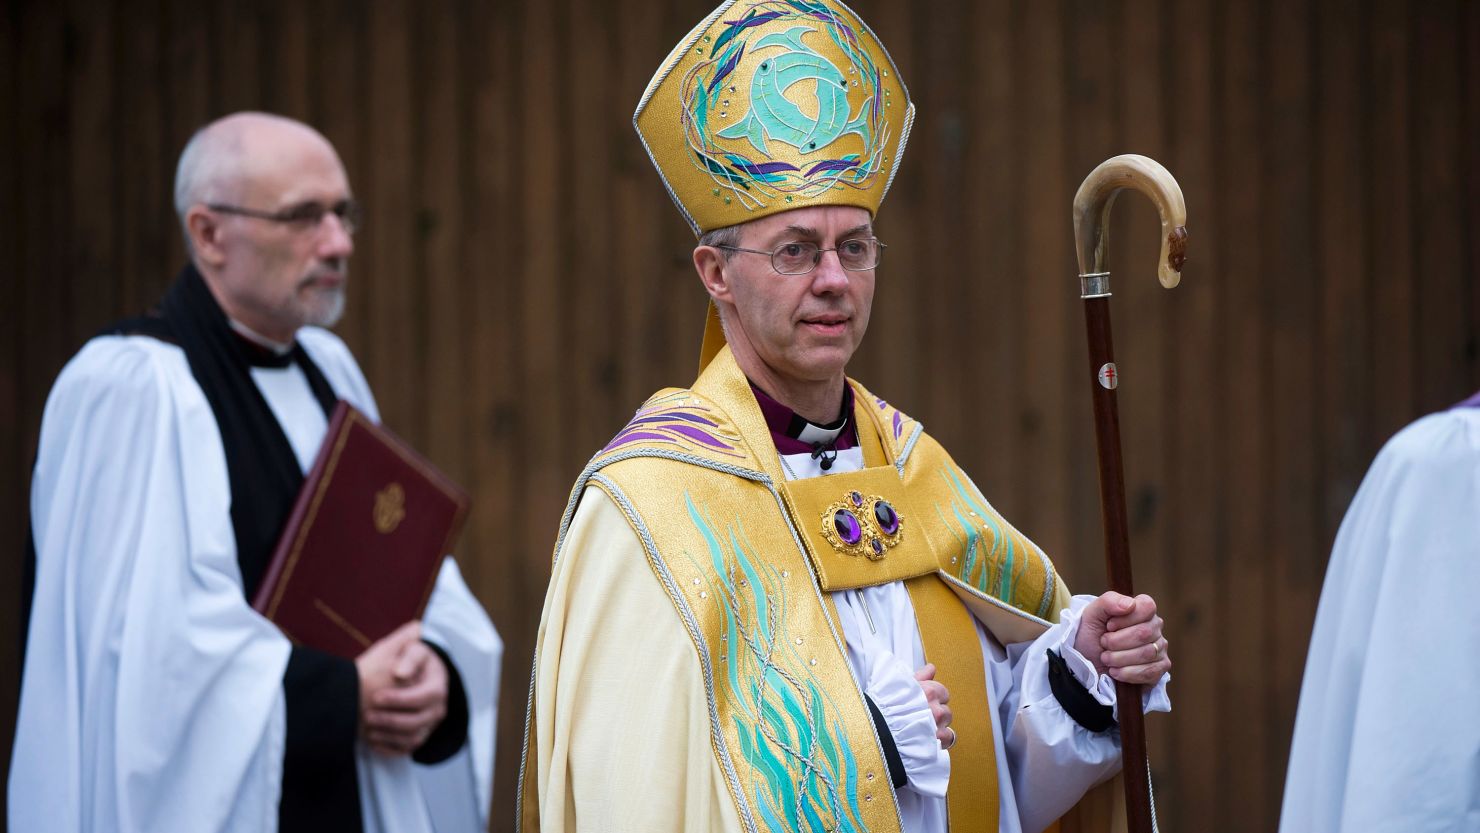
point(279, 276)
point(803, 328)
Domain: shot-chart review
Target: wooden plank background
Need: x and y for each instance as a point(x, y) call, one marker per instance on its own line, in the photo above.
point(522, 281)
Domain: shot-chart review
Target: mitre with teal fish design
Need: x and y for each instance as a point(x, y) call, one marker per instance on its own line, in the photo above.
point(771, 105)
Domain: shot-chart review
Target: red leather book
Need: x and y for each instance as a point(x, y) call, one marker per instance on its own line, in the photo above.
point(365, 541)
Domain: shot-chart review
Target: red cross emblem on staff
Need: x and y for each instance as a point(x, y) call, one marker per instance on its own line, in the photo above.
point(1109, 379)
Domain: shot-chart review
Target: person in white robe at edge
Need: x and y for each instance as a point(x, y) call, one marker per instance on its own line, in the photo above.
point(634, 709)
point(153, 698)
point(1387, 735)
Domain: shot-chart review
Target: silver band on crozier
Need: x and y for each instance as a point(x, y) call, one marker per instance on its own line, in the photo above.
point(1094, 285)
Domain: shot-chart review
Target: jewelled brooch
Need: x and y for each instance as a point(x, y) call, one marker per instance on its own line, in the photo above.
point(859, 524)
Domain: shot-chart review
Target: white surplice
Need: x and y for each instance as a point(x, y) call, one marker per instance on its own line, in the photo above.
point(152, 697)
point(1387, 736)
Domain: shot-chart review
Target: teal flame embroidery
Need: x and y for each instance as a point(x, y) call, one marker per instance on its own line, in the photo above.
point(803, 775)
point(713, 107)
point(990, 572)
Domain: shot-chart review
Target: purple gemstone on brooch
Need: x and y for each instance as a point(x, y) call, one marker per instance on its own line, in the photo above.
point(856, 497)
point(877, 545)
point(849, 530)
point(888, 519)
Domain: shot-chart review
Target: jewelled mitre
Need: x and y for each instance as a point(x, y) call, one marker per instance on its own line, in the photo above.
point(771, 105)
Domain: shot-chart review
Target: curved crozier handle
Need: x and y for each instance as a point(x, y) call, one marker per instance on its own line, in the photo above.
point(1092, 212)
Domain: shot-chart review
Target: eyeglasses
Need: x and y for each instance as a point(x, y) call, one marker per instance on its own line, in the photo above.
point(302, 217)
point(858, 254)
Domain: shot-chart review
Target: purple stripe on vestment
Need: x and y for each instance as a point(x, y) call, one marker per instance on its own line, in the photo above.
point(633, 436)
point(699, 436)
point(669, 417)
point(1472, 402)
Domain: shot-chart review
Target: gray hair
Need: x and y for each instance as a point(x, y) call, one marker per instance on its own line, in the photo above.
point(721, 237)
point(217, 158)
point(211, 159)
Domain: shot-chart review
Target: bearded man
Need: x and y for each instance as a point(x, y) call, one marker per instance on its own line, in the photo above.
point(154, 698)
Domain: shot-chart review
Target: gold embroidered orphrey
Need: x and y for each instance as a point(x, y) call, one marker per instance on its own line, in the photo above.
point(751, 578)
point(873, 524)
point(390, 508)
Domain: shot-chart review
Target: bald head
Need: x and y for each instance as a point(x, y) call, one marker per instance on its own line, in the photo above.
point(224, 160)
point(268, 218)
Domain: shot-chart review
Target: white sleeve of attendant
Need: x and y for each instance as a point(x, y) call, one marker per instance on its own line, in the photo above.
point(151, 698)
point(455, 791)
point(1053, 759)
point(1387, 735)
point(398, 795)
point(457, 622)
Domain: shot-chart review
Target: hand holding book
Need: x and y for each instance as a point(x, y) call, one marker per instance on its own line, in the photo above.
point(363, 546)
point(403, 691)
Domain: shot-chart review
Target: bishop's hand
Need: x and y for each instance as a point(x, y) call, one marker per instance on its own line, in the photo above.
point(403, 691)
point(1122, 637)
point(937, 696)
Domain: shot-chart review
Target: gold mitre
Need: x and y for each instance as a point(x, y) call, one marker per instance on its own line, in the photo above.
point(771, 105)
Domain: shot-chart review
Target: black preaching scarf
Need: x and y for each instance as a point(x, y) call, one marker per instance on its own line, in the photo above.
point(320, 790)
point(322, 691)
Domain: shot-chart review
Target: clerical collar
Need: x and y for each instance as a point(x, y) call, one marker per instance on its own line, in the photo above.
point(260, 350)
point(794, 434)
